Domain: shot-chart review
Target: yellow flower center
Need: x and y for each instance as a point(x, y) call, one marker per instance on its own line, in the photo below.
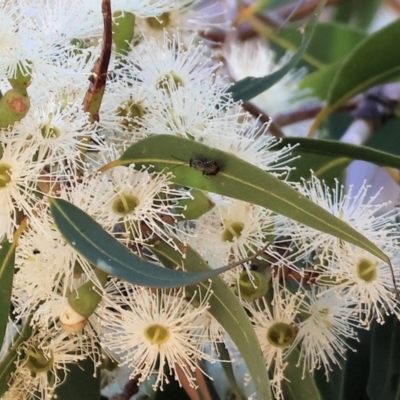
point(254, 287)
point(157, 334)
point(232, 230)
point(160, 22)
point(170, 80)
point(125, 204)
point(281, 335)
point(367, 270)
point(37, 362)
point(130, 113)
point(5, 175)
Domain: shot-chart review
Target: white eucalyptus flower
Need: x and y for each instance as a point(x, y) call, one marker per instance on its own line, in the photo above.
point(146, 328)
point(277, 329)
point(328, 322)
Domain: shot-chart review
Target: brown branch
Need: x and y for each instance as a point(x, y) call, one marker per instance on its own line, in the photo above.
point(131, 388)
point(307, 112)
point(98, 79)
point(200, 381)
point(274, 128)
point(394, 4)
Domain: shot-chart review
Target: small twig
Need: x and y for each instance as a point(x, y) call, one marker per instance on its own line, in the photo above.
point(394, 4)
point(294, 12)
point(131, 388)
point(186, 385)
point(290, 12)
point(307, 112)
point(94, 95)
point(274, 128)
point(250, 258)
point(201, 382)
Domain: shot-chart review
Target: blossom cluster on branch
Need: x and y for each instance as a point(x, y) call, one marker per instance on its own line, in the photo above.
point(308, 290)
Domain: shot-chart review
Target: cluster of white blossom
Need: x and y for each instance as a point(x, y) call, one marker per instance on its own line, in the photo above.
point(318, 291)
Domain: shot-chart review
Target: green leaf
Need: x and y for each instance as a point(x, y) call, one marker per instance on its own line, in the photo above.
point(299, 385)
point(226, 364)
point(366, 14)
point(227, 310)
point(356, 369)
point(89, 239)
point(169, 391)
point(7, 364)
point(250, 87)
point(338, 150)
point(320, 81)
point(384, 373)
point(123, 26)
point(330, 43)
point(328, 159)
point(240, 180)
point(332, 389)
point(79, 382)
point(360, 15)
point(343, 11)
point(7, 259)
point(328, 169)
point(375, 60)
point(386, 137)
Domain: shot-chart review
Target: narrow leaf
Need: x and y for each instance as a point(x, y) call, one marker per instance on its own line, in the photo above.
point(367, 13)
point(7, 364)
point(226, 364)
point(383, 378)
point(81, 381)
point(326, 168)
point(227, 310)
point(356, 369)
point(250, 87)
point(7, 258)
point(89, 239)
point(299, 385)
point(375, 60)
point(339, 149)
point(240, 180)
point(320, 81)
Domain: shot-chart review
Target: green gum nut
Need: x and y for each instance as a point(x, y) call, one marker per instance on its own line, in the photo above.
point(123, 28)
point(86, 298)
point(281, 335)
point(194, 208)
point(36, 361)
point(14, 105)
point(252, 285)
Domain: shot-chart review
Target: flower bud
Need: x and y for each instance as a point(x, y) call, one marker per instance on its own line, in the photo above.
point(36, 361)
point(86, 298)
point(254, 287)
point(123, 29)
point(195, 207)
point(71, 321)
point(14, 105)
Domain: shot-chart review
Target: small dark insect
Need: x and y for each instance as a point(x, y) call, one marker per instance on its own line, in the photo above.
point(208, 167)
